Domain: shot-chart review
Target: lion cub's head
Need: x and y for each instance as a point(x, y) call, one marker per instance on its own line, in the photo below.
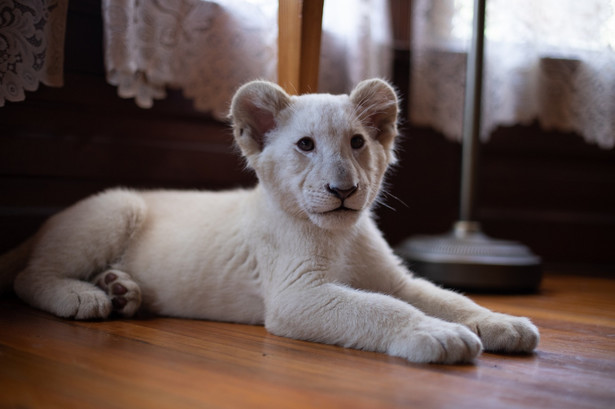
point(319, 156)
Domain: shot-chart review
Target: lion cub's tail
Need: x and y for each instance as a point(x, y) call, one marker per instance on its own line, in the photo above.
point(12, 263)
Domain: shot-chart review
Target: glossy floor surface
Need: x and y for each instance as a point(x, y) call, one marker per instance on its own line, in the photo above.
point(46, 362)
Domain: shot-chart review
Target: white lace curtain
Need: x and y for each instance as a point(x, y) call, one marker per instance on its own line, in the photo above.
point(209, 48)
point(205, 48)
point(31, 46)
point(546, 60)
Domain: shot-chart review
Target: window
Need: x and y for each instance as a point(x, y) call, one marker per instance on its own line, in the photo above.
point(546, 60)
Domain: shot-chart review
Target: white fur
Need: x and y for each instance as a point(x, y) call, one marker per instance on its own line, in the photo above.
point(278, 254)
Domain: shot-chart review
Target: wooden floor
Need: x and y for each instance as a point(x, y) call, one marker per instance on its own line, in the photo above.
point(47, 362)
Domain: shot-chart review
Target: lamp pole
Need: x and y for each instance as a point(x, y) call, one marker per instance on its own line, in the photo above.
point(465, 257)
point(472, 116)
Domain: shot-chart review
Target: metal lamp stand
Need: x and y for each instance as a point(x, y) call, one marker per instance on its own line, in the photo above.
point(465, 258)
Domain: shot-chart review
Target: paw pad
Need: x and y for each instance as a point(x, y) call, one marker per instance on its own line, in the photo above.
point(124, 293)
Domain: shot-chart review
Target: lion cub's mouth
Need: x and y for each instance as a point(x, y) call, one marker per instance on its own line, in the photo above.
point(342, 209)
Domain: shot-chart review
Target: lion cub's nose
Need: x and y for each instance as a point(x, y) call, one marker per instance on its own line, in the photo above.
point(342, 192)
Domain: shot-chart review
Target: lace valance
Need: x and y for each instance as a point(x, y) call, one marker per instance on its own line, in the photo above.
point(209, 48)
point(202, 47)
point(205, 48)
point(31, 46)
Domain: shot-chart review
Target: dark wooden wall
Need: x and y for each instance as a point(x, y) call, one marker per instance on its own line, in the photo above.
point(549, 190)
point(62, 144)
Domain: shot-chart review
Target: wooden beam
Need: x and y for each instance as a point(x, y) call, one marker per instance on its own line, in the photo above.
point(299, 34)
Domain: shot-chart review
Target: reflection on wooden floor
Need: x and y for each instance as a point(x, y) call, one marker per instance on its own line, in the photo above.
point(46, 362)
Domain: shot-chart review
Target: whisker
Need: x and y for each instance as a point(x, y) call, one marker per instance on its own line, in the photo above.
point(383, 203)
point(380, 200)
point(396, 198)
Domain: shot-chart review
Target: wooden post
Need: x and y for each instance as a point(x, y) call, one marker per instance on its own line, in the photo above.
point(299, 33)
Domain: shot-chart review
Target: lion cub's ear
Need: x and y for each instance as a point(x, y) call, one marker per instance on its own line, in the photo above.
point(377, 108)
point(253, 111)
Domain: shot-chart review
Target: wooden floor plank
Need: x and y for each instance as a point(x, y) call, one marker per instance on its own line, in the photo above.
point(47, 362)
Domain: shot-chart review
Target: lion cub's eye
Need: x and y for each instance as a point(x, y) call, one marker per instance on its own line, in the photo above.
point(306, 144)
point(357, 141)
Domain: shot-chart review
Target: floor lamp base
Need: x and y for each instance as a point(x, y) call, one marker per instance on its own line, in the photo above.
point(467, 259)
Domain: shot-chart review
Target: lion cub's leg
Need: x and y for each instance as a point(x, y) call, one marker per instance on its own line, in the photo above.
point(498, 332)
point(64, 297)
point(75, 245)
point(124, 294)
point(335, 314)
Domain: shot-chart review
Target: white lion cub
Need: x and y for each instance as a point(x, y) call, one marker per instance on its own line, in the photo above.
point(299, 253)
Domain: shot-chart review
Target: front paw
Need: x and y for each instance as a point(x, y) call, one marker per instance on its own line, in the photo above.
point(436, 341)
point(505, 333)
